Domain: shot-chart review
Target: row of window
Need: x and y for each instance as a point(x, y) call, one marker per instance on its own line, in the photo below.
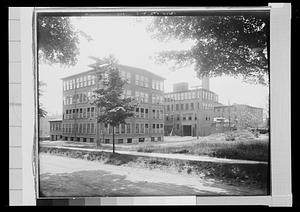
point(55, 126)
point(158, 85)
point(141, 81)
point(157, 99)
point(90, 128)
point(79, 113)
point(77, 98)
point(202, 94)
point(86, 97)
point(144, 113)
point(79, 82)
point(189, 106)
point(81, 128)
point(129, 140)
point(186, 118)
point(140, 128)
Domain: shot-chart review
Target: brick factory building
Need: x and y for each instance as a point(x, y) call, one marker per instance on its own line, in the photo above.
point(190, 112)
point(238, 115)
point(79, 116)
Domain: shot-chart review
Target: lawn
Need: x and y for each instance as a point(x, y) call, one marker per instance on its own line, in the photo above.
point(244, 147)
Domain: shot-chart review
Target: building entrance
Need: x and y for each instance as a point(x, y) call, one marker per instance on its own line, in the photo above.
point(187, 130)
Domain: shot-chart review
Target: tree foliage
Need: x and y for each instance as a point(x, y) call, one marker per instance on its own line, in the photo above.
point(230, 45)
point(42, 113)
point(57, 40)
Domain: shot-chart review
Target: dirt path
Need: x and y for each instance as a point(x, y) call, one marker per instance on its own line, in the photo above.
point(62, 176)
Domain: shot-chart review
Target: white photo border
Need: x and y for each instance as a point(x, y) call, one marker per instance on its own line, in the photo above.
point(280, 113)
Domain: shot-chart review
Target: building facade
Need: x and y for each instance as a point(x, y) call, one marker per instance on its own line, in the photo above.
point(79, 116)
point(189, 112)
point(238, 116)
point(55, 129)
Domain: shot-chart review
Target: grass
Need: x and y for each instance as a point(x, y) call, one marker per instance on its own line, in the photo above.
point(257, 150)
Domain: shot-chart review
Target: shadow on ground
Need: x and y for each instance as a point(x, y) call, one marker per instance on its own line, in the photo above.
point(102, 183)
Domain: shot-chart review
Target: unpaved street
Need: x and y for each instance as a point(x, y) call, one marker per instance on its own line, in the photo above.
point(62, 176)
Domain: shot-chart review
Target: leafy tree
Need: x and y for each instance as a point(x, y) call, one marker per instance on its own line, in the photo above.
point(57, 40)
point(230, 44)
point(114, 110)
point(41, 110)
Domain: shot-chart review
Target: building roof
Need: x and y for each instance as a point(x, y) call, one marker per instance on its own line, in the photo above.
point(119, 65)
point(183, 91)
point(220, 106)
point(52, 120)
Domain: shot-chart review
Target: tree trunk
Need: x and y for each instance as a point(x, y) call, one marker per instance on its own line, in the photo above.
point(113, 139)
point(97, 134)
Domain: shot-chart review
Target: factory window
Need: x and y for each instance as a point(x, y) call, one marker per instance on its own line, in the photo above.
point(83, 128)
point(92, 128)
point(92, 112)
point(88, 128)
point(84, 81)
point(142, 128)
point(93, 79)
point(88, 80)
point(122, 128)
point(80, 128)
point(137, 112)
point(192, 106)
point(128, 129)
point(146, 128)
point(187, 106)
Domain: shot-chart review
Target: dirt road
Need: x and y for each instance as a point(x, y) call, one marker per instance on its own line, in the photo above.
point(62, 176)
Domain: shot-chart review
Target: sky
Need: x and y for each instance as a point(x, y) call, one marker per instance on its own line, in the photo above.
point(128, 40)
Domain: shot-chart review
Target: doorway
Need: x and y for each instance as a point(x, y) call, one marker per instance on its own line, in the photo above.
point(187, 130)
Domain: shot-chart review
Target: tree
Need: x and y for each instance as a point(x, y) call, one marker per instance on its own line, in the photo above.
point(232, 45)
point(57, 40)
point(114, 110)
point(41, 110)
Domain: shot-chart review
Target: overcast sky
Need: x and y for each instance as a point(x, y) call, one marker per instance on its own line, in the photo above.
point(128, 40)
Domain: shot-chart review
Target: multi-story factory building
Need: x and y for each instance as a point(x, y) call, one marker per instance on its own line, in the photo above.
point(189, 112)
point(79, 116)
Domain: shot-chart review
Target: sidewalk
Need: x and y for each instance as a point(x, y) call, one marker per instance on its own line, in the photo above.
point(171, 156)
